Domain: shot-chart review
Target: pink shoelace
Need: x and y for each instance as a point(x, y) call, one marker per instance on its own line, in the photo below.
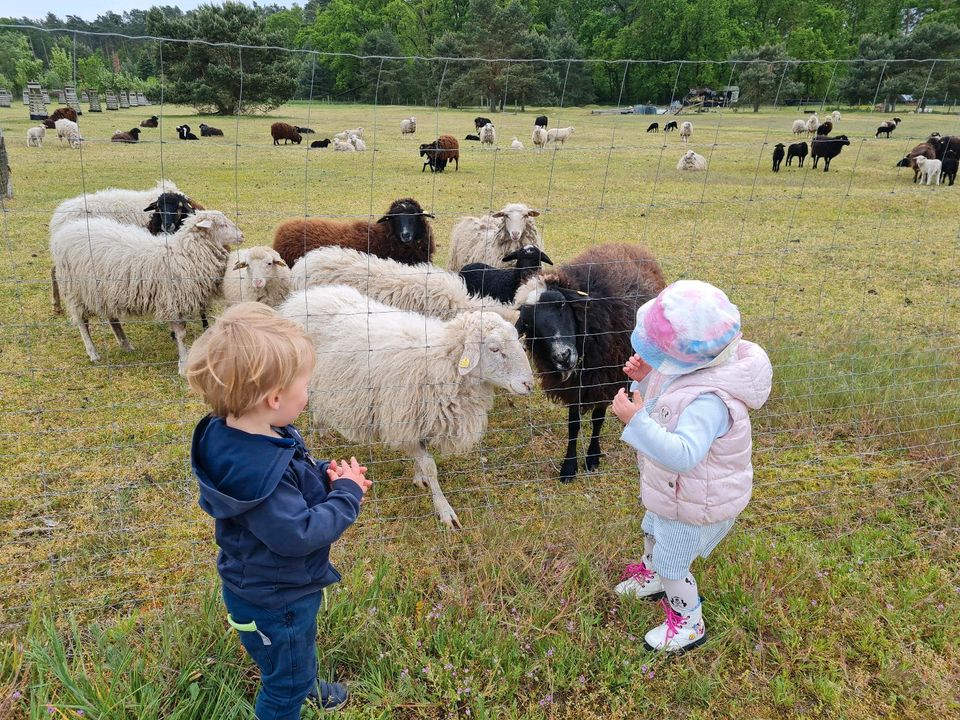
point(637, 571)
point(675, 621)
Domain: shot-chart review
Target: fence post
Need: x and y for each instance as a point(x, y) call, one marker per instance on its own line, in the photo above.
point(6, 181)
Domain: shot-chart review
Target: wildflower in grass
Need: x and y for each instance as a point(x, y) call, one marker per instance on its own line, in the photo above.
point(550, 652)
point(889, 606)
point(571, 626)
point(756, 648)
point(547, 700)
point(940, 607)
point(51, 709)
point(372, 611)
point(643, 668)
point(650, 675)
point(16, 695)
point(81, 713)
point(405, 672)
point(813, 602)
point(582, 679)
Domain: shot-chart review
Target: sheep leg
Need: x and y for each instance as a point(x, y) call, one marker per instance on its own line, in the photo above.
point(203, 319)
point(425, 475)
point(179, 329)
point(593, 450)
point(120, 334)
point(568, 470)
point(84, 327)
point(55, 292)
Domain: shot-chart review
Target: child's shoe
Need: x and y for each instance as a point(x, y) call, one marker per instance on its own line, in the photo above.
point(678, 633)
point(641, 582)
point(329, 696)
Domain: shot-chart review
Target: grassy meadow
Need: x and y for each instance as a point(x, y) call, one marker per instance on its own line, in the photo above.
point(837, 596)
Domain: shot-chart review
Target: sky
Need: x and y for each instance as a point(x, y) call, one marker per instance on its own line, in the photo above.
point(89, 9)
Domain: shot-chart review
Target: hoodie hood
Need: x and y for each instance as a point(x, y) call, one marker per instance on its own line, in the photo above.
point(248, 467)
point(746, 376)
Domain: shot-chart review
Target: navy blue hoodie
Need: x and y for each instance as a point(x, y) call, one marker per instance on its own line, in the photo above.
point(276, 514)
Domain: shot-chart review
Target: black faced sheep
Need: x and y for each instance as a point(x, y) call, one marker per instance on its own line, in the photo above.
point(402, 234)
point(778, 153)
point(306, 131)
point(183, 132)
point(541, 121)
point(949, 167)
point(208, 131)
point(169, 210)
point(942, 144)
point(799, 151)
point(475, 138)
point(577, 324)
point(886, 128)
point(320, 143)
point(501, 283)
point(286, 132)
point(653, 127)
point(440, 152)
point(151, 122)
point(130, 136)
point(825, 128)
point(479, 122)
point(927, 150)
point(672, 125)
point(827, 148)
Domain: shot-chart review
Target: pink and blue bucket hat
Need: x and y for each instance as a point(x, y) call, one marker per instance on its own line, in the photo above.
point(690, 325)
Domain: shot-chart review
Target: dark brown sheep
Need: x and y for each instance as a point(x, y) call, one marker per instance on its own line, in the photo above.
point(927, 150)
point(150, 122)
point(402, 234)
point(576, 324)
point(284, 131)
point(439, 152)
point(130, 136)
point(65, 112)
point(826, 128)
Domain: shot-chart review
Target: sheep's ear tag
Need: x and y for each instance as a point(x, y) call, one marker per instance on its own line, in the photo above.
point(464, 363)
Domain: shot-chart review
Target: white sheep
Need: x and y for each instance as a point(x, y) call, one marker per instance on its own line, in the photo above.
point(686, 130)
point(799, 126)
point(929, 170)
point(836, 116)
point(408, 126)
point(405, 379)
point(257, 273)
point(358, 144)
point(813, 122)
point(358, 131)
point(516, 144)
point(560, 135)
point(35, 136)
point(488, 135)
point(109, 269)
point(70, 130)
point(422, 288)
point(539, 137)
point(343, 146)
point(487, 239)
point(692, 161)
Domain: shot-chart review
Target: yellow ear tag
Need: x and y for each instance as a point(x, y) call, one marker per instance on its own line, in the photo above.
point(464, 362)
point(581, 292)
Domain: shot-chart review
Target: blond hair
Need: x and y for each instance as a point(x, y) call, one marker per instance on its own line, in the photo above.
point(249, 352)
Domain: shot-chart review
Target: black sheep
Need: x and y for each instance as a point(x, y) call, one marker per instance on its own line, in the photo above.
point(306, 131)
point(169, 211)
point(799, 151)
point(654, 127)
point(827, 148)
point(577, 330)
point(207, 131)
point(320, 143)
point(948, 168)
point(672, 125)
point(778, 153)
point(184, 133)
point(151, 122)
point(825, 129)
point(541, 121)
point(887, 128)
point(473, 137)
point(942, 144)
point(501, 283)
point(479, 122)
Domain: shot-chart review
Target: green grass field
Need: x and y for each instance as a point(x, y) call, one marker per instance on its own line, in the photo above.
point(836, 597)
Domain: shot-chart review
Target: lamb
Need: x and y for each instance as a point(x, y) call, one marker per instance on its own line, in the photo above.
point(408, 126)
point(257, 273)
point(358, 144)
point(151, 122)
point(208, 131)
point(778, 153)
point(440, 152)
point(887, 127)
point(64, 112)
point(672, 125)
point(835, 115)
point(827, 148)
point(184, 133)
point(692, 161)
point(927, 150)
point(560, 135)
point(402, 234)
point(421, 288)
point(470, 136)
point(35, 136)
point(170, 280)
point(516, 144)
point(799, 127)
point(799, 151)
point(130, 136)
point(343, 146)
point(540, 121)
point(320, 143)
point(949, 166)
point(577, 323)
point(487, 239)
point(305, 130)
point(929, 170)
point(539, 138)
point(69, 130)
point(405, 379)
point(479, 122)
point(825, 128)
point(501, 284)
point(653, 127)
point(813, 122)
point(488, 135)
point(284, 131)
point(686, 130)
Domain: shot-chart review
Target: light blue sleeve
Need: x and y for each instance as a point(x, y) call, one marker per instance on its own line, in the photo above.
point(702, 422)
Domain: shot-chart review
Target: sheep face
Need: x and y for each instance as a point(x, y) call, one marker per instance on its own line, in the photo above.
point(215, 224)
point(492, 353)
point(547, 321)
point(529, 256)
point(169, 211)
point(514, 218)
point(407, 221)
point(259, 266)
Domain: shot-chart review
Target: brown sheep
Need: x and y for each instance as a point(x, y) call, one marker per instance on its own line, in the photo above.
point(926, 150)
point(151, 122)
point(130, 136)
point(284, 131)
point(403, 234)
point(65, 112)
point(441, 151)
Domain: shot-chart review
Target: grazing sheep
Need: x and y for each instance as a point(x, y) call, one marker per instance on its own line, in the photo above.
point(799, 127)
point(501, 284)
point(408, 126)
point(284, 131)
point(797, 150)
point(827, 148)
point(672, 125)
point(257, 273)
point(70, 130)
point(64, 112)
point(948, 166)
point(559, 135)
point(208, 131)
point(692, 161)
point(653, 127)
point(887, 127)
point(405, 379)
point(475, 138)
point(421, 288)
point(577, 323)
point(479, 122)
point(825, 128)
point(343, 145)
point(305, 130)
point(48, 123)
point(686, 130)
point(813, 122)
point(539, 138)
point(440, 152)
point(320, 143)
point(171, 280)
point(151, 122)
point(540, 121)
point(358, 144)
point(927, 150)
point(488, 135)
point(184, 133)
point(778, 153)
point(130, 136)
point(943, 144)
point(487, 239)
point(35, 136)
point(929, 170)
point(402, 234)
point(835, 116)
point(516, 144)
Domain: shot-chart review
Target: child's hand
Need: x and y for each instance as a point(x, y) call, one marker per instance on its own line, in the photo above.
point(625, 408)
point(352, 471)
point(636, 368)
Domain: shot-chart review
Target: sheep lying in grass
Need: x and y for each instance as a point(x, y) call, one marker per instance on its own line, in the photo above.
point(126, 136)
point(257, 273)
point(422, 288)
point(487, 239)
point(929, 170)
point(692, 161)
point(111, 270)
point(404, 379)
point(516, 144)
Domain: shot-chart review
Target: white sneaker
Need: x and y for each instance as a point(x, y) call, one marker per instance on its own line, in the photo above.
point(639, 581)
point(678, 633)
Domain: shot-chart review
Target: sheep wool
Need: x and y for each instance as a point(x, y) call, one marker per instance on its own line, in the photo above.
point(257, 273)
point(487, 239)
point(692, 161)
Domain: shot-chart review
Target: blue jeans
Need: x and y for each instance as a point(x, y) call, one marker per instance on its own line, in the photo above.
point(288, 664)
